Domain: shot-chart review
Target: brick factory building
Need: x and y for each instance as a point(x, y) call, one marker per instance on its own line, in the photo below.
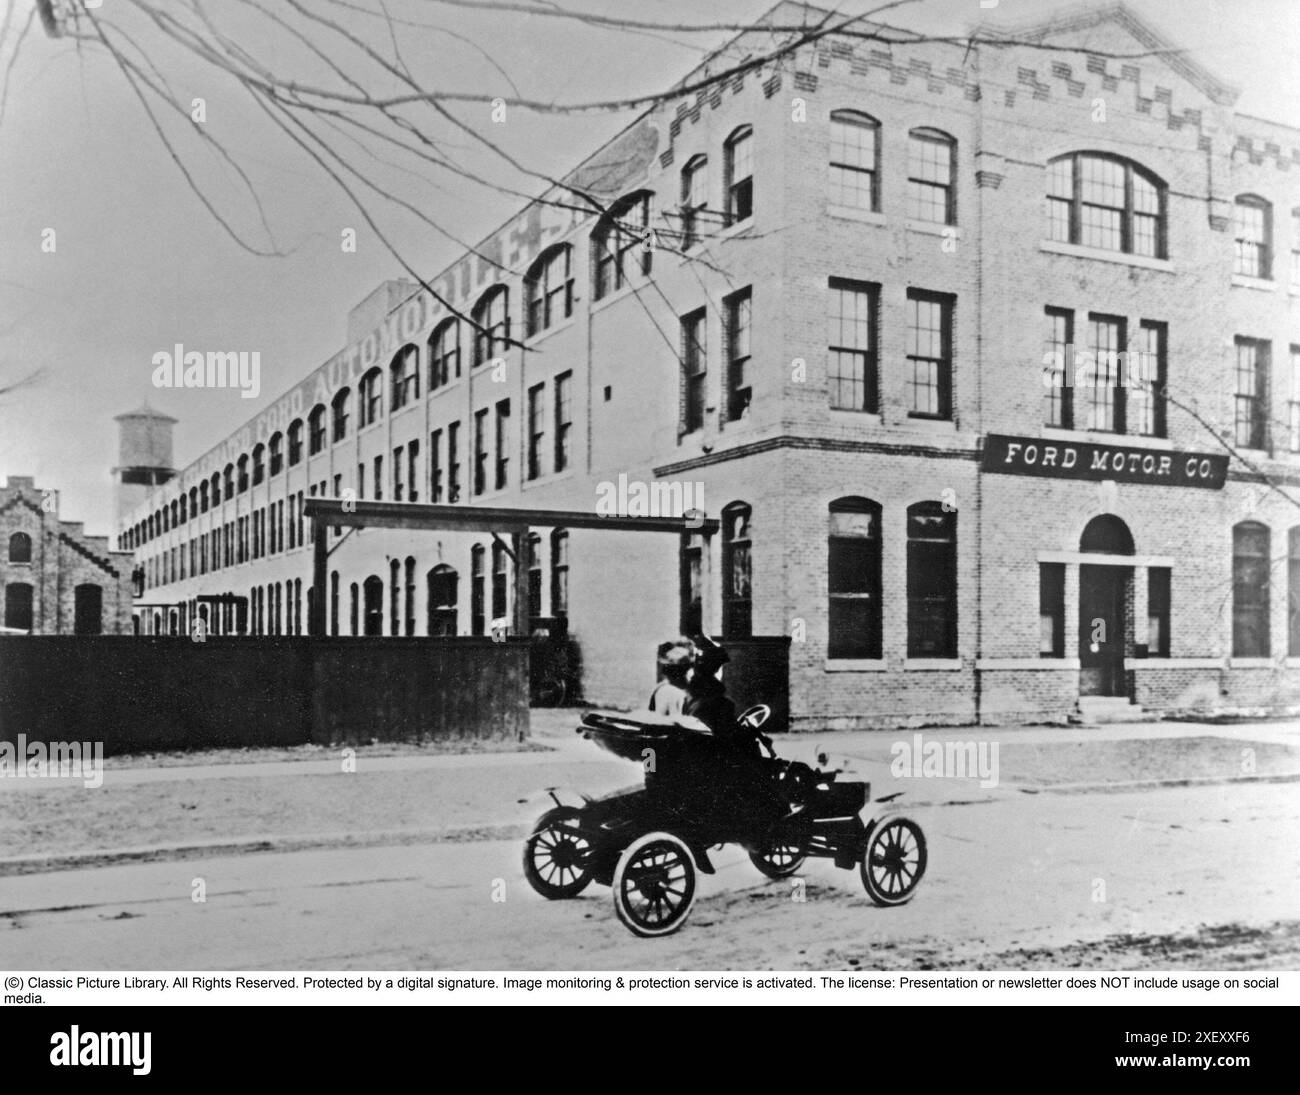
point(818, 307)
point(54, 579)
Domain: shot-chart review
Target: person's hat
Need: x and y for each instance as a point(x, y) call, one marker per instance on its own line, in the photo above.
point(675, 654)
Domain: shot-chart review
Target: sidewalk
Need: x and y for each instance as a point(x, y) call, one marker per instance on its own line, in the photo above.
point(146, 812)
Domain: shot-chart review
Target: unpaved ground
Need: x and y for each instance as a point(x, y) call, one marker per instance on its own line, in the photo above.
point(1203, 877)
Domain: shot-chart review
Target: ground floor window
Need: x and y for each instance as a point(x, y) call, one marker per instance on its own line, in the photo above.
point(1293, 585)
point(442, 582)
point(477, 616)
point(1051, 610)
point(18, 606)
point(931, 581)
point(737, 572)
point(1158, 586)
point(853, 579)
point(691, 566)
point(88, 610)
point(1250, 590)
point(374, 599)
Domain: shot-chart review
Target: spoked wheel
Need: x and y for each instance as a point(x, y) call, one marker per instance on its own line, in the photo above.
point(555, 856)
point(894, 861)
point(654, 884)
point(780, 860)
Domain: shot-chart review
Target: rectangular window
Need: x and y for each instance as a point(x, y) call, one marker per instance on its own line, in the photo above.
point(931, 581)
point(1051, 610)
point(1293, 404)
point(854, 582)
point(1251, 393)
point(398, 485)
point(930, 178)
point(739, 316)
point(536, 428)
point(1158, 612)
point(691, 585)
point(379, 478)
point(740, 176)
point(1251, 566)
point(929, 355)
point(480, 451)
point(413, 470)
point(1058, 368)
point(851, 356)
point(854, 143)
point(453, 463)
point(435, 467)
point(1251, 231)
point(1102, 203)
point(563, 420)
point(695, 359)
point(503, 443)
point(1101, 393)
point(1145, 387)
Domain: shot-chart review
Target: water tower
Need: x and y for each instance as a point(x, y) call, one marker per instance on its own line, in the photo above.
point(144, 456)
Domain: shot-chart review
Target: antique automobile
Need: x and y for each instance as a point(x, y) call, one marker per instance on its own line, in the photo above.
point(648, 841)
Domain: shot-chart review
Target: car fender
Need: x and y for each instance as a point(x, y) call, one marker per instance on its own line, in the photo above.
point(550, 797)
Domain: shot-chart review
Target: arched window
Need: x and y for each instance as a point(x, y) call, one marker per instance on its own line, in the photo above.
point(215, 492)
point(203, 496)
point(737, 572)
point(410, 597)
point(242, 477)
point(194, 503)
point(500, 581)
point(259, 463)
point(444, 353)
point(855, 161)
point(229, 477)
point(1293, 593)
point(931, 176)
point(548, 289)
point(1252, 220)
point(173, 511)
point(404, 370)
point(1098, 200)
point(1250, 590)
point(18, 606)
point(20, 548)
point(276, 448)
point(354, 611)
point(341, 405)
point(559, 572)
point(534, 548)
point(442, 582)
point(738, 172)
point(853, 579)
point(621, 234)
point(316, 430)
point(931, 581)
point(295, 442)
point(477, 615)
point(370, 398)
point(1107, 534)
point(695, 198)
point(374, 593)
point(492, 316)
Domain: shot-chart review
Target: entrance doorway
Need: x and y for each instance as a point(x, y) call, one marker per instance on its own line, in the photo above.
point(1103, 608)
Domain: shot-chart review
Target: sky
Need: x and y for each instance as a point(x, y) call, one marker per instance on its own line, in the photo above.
point(139, 265)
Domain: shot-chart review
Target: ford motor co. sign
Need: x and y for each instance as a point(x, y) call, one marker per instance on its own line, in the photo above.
point(1090, 460)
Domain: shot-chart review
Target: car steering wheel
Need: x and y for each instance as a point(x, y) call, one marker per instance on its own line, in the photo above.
point(753, 718)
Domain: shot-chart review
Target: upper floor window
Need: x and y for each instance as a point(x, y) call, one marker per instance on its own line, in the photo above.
point(855, 161)
point(739, 315)
point(929, 355)
point(931, 177)
point(549, 289)
point(229, 476)
point(1293, 400)
point(242, 465)
point(203, 487)
point(20, 548)
point(316, 430)
point(295, 442)
point(1250, 397)
point(492, 315)
point(259, 470)
point(622, 234)
point(340, 405)
point(851, 355)
point(563, 421)
point(1106, 202)
point(1252, 220)
point(370, 397)
point(1295, 246)
point(695, 368)
point(695, 198)
point(405, 370)
point(444, 353)
point(277, 459)
point(216, 488)
point(559, 572)
point(739, 162)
